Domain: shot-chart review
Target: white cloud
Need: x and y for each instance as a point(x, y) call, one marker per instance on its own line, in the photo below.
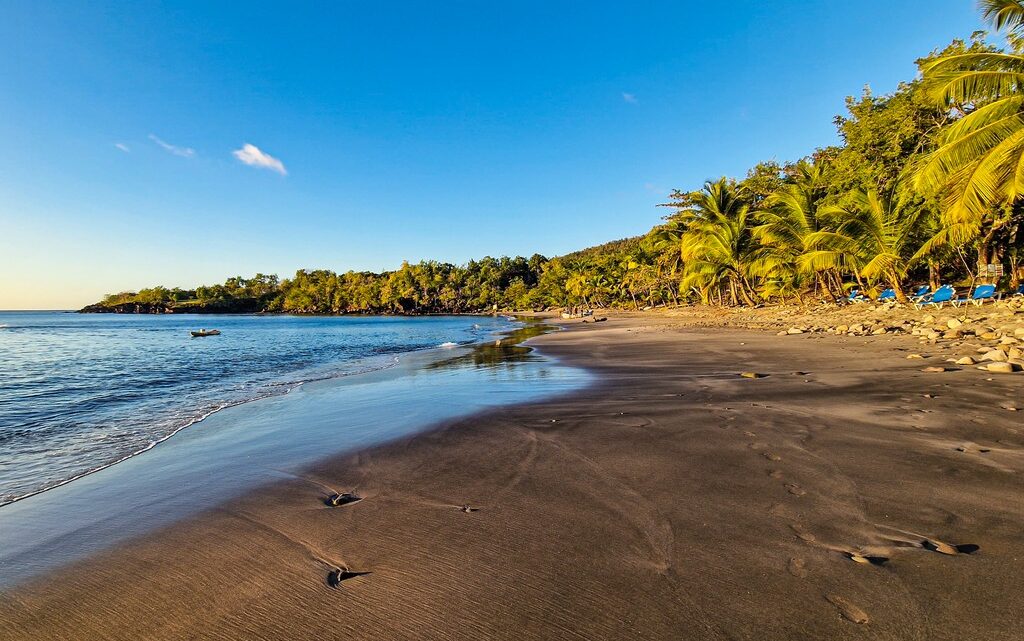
point(184, 152)
point(123, 147)
point(628, 97)
point(255, 157)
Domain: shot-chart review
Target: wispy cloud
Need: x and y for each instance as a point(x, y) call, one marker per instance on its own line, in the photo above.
point(184, 152)
point(628, 97)
point(256, 157)
point(123, 147)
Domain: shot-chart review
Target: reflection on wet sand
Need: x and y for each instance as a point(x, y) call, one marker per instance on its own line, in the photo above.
point(504, 351)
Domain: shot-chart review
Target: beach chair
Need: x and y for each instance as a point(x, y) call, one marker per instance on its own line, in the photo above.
point(938, 298)
point(981, 294)
point(921, 293)
point(889, 294)
point(1020, 290)
point(854, 297)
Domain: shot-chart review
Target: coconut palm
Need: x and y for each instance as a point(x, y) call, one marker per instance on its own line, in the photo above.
point(978, 166)
point(1004, 14)
point(874, 234)
point(790, 216)
point(718, 244)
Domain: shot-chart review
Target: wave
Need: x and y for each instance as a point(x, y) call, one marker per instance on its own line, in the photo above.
point(448, 345)
point(273, 389)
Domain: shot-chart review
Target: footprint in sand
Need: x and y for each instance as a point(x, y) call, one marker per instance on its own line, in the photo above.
point(803, 534)
point(849, 611)
point(467, 509)
point(856, 557)
point(775, 474)
point(338, 575)
point(935, 545)
point(342, 498)
point(795, 489)
point(771, 457)
point(797, 568)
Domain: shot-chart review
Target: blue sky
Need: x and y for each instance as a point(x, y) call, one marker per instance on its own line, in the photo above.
point(386, 131)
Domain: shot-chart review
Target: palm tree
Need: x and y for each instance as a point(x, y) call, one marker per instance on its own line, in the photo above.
point(978, 166)
point(790, 216)
point(718, 244)
point(873, 234)
point(1004, 14)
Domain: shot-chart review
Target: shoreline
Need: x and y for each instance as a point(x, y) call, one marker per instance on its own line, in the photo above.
point(672, 498)
point(286, 387)
point(257, 441)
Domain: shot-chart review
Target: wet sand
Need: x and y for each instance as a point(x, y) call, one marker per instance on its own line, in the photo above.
point(845, 494)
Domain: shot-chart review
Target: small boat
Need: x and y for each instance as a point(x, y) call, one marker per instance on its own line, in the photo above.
point(205, 332)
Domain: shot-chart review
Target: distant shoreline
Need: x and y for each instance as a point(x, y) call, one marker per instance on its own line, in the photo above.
point(99, 309)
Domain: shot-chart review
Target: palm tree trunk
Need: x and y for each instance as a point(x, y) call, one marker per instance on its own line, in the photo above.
point(747, 290)
point(897, 286)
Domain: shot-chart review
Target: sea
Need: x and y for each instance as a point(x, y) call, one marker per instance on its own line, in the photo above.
point(80, 392)
point(112, 426)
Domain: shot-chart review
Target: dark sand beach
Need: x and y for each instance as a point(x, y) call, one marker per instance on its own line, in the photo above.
point(844, 494)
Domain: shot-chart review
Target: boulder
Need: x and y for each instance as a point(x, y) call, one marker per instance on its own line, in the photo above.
point(996, 356)
point(954, 323)
point(1000, 368)
point(966, 360)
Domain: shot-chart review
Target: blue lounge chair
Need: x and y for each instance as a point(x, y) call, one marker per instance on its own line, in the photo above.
point(921, 293)
point(981, 294)
point(854, 297)
point(938, 298)
point(889, 294)
point(1020, 290)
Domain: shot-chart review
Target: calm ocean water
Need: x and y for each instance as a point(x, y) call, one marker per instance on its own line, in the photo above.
point(80, 392)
